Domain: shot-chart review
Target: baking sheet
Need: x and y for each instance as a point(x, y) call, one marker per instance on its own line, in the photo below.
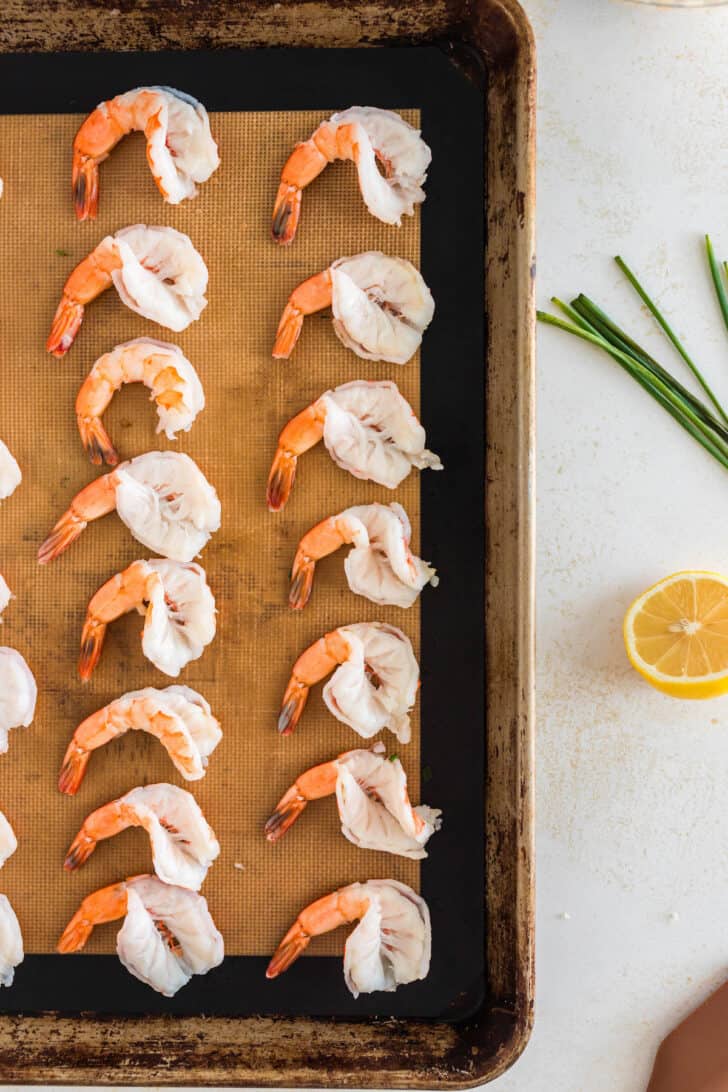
point(249, 398)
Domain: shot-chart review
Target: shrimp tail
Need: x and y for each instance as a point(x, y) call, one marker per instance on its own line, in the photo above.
point(97, 442)
point(75, 934)
point(66, 531)
point(292, 706)
point(285, 815)
point(286, 214)
point(290, 948)
point(288, 332)
point(81, 849)
point(281, 478)
point(85, 181)
point(74, 766)
point(301, 581)
point(66, 323)
point(92, 641)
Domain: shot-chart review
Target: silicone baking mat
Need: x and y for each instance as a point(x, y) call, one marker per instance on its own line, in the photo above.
point(254, 890)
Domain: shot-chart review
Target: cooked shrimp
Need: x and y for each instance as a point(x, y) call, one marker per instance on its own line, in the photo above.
point(368, 428)
point(8, 841)
point(163, 498)
point(167, 936)
point(373, 687)
point(381, 307)
point(163, 368)
point(183, 844)
point(180, 148)
point(177, 716)
point(11, 942)
point(370, 137)
point(18, 694)
point(389, 947)
point(10, 475)
point(156, 271)
point(5, 595)
point(178, 609)
point(381, 567)
point(374, 806)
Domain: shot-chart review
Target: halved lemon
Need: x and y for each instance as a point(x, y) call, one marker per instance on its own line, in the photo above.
point(676, 635)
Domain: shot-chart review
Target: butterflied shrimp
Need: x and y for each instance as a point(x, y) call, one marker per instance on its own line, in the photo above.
point(372, 138)
point(5, 595)
point(11, 942)
point(156, 271)
point(390, 946)
point(18, 694)
point(162, 497)
point(178, 609)
point(368, 428)
point(374, 806)
point(381, 307)
point(374, 685)
point(174, 384)
point(8, 841)
point(183, 844)
point(177, 716)
point(180, 148)
point(167, 936)
point(381, 567)
point(10, 473)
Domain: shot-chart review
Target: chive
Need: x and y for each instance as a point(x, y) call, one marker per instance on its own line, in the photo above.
point(61, 253)
point(670, 399)
point(670, 333)
point(717, 279)
point(600, 323)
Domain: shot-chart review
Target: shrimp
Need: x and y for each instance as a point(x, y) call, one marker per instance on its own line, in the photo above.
point(177, 716)
point(381, 567)
point(390, 946)
point(163, 368)
point(18, 694)
point(381, 307)
point(10, 473)
point(8, 841)
point(167, 936)
point(162, 497)
point(368, 428)
point(156, 271)
point(5, 595)
point(373, 687)
point(11, 942)
point(374, 806)
point(180, 147)
point(370, 137)
point(178, 609)
point(183, 844)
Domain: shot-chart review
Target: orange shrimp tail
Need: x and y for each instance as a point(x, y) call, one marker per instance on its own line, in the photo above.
point(75, 934)
point(66, 322)
point(290, 948)
point(85, 182)
point(292, 706)
point(301, 581)
point(97, 442)
point(74, 766)
point(284, 816)
point(92, 641)
point(66, 531)
point(281, 478)
point(288, 332)
point(81, 849)
point(286, 214)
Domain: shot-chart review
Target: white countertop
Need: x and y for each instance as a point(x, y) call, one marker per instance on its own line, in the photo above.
point(632, 786)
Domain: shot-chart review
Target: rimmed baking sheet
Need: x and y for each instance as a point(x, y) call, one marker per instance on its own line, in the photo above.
point(258, 110)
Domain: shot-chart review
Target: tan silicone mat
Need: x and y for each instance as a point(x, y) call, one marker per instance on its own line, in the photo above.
point(249, 398)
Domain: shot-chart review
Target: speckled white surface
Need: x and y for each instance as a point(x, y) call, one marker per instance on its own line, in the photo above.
point(632, 786)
